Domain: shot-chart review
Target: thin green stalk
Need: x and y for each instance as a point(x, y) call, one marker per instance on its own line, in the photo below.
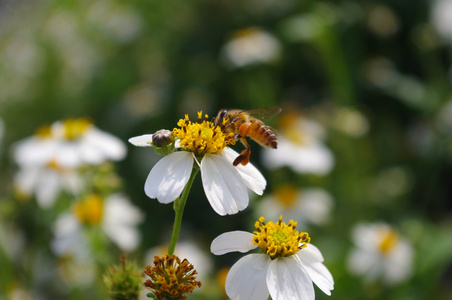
point(179, 205)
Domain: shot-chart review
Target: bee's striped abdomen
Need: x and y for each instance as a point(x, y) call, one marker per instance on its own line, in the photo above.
point(263, 134)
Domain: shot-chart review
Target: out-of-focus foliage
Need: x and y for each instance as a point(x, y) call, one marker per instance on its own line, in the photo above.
point(365, 88)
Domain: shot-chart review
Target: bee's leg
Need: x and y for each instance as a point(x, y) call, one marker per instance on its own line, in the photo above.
point(244, 129)
point(244, 157)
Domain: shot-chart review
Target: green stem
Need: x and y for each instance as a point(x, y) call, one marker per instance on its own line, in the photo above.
point(179, 205)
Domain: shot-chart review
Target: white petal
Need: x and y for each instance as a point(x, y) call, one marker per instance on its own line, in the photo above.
point(398, 263)
point(318, 273)
point(48, 188)
point(311, 253)
point(108, 145)
point(120, 218)
point(311, 158)
point(366, 264)
point(254, 180)
point(232, 241)
point(68, 155)
point(246, 279)
point(34, 151)
point(223, 185)
point(27, 179)
point(119, 210)
point(126, 237)
point(286, 280)
point(169, 176)
point(144, 140)
point(90, 153)
point(313, 205)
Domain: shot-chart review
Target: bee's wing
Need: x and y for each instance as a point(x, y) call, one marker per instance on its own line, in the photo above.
point(264, 113)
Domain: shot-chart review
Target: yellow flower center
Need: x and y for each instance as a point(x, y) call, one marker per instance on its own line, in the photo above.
point(388, 241)
point(171, 278)
point(54, 166)
point(75, 128)
point(202, 137)
point(286, 195)
point(288, 125)
point(245, 33)
point(44, 132)
point(279, 239)
point(89, 210)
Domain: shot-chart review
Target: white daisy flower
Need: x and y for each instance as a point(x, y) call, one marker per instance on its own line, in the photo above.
point(300, 147)
point(117, 217)
point(47, 182)
point(380, 253)
point(205, 144)
point(440, 18)
point(250, 46)
point(311, 205)
point(286, 269)
point(70, 143)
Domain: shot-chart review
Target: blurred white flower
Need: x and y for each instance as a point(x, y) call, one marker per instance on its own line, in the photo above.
point(70, 143)
point(77, 271)
point(250, 46)
point(351, 122)
point(46, 183)
point(441, 18)
point(285, 270)
point(309, 206)
point(300, 147)
point(380, 253)
point(115, 215)
point(12, 241)
point(50, 161)
point(382, 20)
point(116, 21)
point(190, 250)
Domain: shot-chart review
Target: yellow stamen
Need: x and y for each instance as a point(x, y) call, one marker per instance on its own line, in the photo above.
point(202, 137)
point(388, 241)
point(291, 130)
point(171, 278)
point(44, 132)
point(245, 33)
point(75, 128)
point(54, 166)
point(286, 195)
point(89, 210)
point(279, 239)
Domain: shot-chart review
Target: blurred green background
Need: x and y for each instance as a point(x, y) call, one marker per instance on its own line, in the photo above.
point(375, 75)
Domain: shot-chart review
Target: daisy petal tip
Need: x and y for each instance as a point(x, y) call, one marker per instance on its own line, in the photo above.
point(144, 140)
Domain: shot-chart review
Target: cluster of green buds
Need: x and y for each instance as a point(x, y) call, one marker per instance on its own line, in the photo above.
point(124, 282)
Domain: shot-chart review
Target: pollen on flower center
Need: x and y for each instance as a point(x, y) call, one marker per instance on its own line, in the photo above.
point(286, 195)
point(279, 239)
point(44, 132)
point(75, 128)
point(89, 210)
point(202, 137)
point(171, 278)
point(388, 241)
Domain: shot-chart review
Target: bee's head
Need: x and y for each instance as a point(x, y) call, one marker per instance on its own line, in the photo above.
point(218, 120)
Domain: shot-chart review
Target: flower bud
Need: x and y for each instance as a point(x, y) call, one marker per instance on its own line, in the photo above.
point(123, 282)
point(163, 142)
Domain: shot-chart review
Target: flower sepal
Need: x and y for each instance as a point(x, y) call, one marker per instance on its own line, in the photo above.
point(163, 141)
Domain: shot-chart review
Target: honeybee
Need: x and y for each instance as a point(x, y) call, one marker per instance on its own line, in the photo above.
point(243, 123)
